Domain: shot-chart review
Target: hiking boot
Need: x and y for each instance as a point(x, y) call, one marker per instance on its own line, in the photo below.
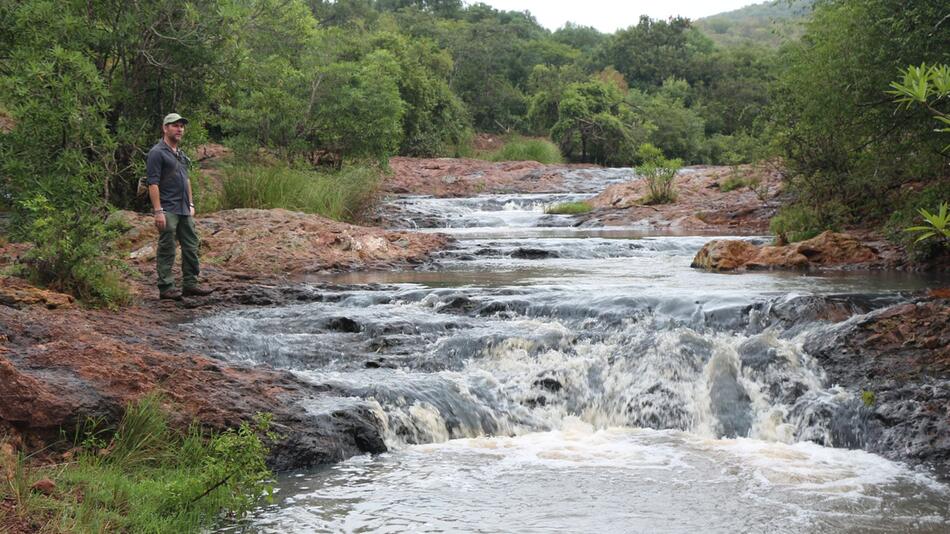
point(170, 294)
point(197, 291)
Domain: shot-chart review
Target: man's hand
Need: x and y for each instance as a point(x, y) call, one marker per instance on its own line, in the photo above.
point(160, 221)
point(192, 210)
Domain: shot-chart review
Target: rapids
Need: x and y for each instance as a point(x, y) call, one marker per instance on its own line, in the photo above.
point(542, 377)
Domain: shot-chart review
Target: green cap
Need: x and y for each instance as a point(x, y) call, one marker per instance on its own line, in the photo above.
point(172, 118)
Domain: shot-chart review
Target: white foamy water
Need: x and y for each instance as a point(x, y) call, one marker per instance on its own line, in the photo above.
point(578, 479)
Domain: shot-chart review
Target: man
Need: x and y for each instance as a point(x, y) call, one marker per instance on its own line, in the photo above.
point(173, 207)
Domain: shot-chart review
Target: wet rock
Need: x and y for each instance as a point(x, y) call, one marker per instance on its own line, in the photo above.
point(344, 324)
point(898, 359)
point(730, 403)
point(533, 254)
point(94, 363)
point(829, 249)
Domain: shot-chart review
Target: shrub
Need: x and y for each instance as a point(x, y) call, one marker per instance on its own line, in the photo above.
point(569, 208)
point(798, 222)
point(734, 182)
point(520, 148)
point(73, 252)
point(340, 195)
point(659, 172)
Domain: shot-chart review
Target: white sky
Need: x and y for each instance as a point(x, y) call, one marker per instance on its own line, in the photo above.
point(609, 16)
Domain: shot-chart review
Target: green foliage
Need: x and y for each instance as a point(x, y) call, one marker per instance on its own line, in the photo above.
point(937, 225)
point(926, 86)
point(868, 398)
point(72, 252)
point(734, 182)
point(569, 208)
point(848, 146)
point(652, 51)
point(340, 195)
point(596, 125)
point(659, 173)
point(798, 222)
point(519, 148)
point(150, 478)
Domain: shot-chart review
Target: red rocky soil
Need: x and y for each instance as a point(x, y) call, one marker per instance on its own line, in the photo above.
point(700, 203)
point(450, 177)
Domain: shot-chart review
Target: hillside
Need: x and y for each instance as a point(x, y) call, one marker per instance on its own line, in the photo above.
point(768, 24)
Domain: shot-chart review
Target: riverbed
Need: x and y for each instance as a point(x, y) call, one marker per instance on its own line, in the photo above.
point(541, 376)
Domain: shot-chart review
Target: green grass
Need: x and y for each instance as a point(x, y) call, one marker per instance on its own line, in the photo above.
point(146, 478)
point(341, 195)
point(519, 148)
point(569, 208)
point(734, 182)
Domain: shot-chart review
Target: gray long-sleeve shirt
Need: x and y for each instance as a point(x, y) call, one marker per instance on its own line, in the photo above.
point(168, 169)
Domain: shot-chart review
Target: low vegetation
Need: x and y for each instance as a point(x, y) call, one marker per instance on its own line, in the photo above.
point(340, 195)
point(659, 173)
point(569, 208)
point(518, 148)
point(143, 477)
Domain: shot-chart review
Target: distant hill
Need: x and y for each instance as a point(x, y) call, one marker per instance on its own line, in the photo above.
point(768, 24)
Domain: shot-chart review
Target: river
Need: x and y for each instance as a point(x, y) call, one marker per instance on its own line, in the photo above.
point(543, 377)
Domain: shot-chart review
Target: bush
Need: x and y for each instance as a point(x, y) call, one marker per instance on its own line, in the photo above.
point(340, 195)
point(798, 222)
point(734, 182)
point(659, 172)
point(569, 208)
point(73, 252)
point(520, 148)
point(148, 477)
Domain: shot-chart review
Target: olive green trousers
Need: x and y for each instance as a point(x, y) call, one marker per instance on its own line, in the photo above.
point(180, 228)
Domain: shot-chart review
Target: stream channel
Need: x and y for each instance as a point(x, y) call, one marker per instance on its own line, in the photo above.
point(541, 377)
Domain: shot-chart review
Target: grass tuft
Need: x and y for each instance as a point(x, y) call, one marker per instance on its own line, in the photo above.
point(341, 195)
point(569, 208)
point(518, 148)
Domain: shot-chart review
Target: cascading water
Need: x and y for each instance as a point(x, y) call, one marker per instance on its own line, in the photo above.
point(548, 378)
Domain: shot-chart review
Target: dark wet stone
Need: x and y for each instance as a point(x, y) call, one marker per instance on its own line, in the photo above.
point(730, 403)
point(344, 324)
point(532, 254)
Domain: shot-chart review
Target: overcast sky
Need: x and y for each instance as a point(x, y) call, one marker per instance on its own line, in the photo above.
point(609, 16)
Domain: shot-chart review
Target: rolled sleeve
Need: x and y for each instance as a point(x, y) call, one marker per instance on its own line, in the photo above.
point(153, 167)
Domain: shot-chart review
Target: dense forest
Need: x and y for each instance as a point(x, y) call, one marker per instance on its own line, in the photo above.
point(332, 84)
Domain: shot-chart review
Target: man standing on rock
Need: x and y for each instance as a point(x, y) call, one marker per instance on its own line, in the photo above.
point(173, 207)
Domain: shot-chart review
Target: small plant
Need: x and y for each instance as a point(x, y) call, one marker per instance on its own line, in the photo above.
point(569, 208)
point(938, 225)
point(659, 173)
point(868, 397)
point(732, 183)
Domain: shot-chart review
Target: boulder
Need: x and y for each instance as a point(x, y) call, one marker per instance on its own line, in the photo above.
point(829, 249)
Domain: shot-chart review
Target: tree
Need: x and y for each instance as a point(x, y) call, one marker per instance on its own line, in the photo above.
point(595, 125)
